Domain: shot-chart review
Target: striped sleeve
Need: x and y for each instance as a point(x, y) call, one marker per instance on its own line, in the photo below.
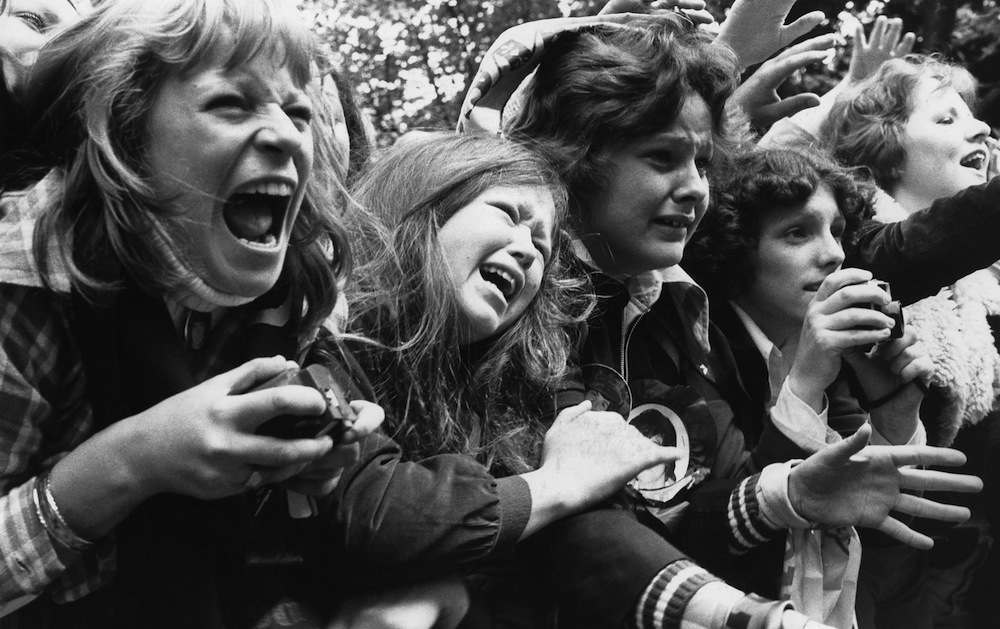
point(663, 602)
point(748, 526)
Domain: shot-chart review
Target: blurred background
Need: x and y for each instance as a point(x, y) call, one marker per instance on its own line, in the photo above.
point(410, 60)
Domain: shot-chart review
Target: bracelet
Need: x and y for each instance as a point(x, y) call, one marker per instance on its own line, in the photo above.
point(51, 518)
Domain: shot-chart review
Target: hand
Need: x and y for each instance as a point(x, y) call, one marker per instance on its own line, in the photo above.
point(432, 605)
point(588, 455)
point(321, 476)
point(693, 9)
point(201, 442)
point(756, 29)
point(993, 146)
point(882, 44)
point(758, 95)
point(835, 322)
point(890, 373)
point(851, 484)
point(791, 619)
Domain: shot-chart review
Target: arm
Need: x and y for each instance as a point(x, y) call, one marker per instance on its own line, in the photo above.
point(935, 247)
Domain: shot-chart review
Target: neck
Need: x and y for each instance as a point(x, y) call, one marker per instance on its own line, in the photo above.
point(910, 200)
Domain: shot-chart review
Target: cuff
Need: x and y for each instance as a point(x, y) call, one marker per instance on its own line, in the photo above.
point(748, 524)
point(799, 422)
point(28, 559)
point(918, 438)
point(772, 494)
point(665, 599)
point(515, 509)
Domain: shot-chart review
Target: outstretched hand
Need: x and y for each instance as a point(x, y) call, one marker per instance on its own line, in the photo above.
point(758, 95)
point(694, 9)
point(756, 29)
point(852, 484)
point(886, 41)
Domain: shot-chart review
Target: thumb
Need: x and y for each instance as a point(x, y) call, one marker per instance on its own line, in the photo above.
point(572, 412)
point(803, 25)
point(370, 417)
point(842, 451)
point(253, 373)
point(794, 104)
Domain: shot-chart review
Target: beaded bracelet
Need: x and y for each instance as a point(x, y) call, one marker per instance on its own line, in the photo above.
point(51, 518)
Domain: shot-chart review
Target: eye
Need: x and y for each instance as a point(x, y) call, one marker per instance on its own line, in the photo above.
point(946, 120)
point(510, 211)
point(544, 249)
point(703, 164)
point(300, 113)
point(227, 101)
point(794, 233)
point(34, 21)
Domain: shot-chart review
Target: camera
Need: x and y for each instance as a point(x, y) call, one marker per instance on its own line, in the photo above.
point(893, 309)
point(335, 421)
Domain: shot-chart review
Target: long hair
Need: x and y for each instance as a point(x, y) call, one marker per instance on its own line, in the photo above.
point(605, 86)
point(443, 396)
point(94, 86)
point(721, 254)
point(865, 125)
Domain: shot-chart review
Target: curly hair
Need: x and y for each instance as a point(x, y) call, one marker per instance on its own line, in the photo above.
point(721, 255)
point(605, 86)
point(442, 396)
point(93, 89)
point(865, 125)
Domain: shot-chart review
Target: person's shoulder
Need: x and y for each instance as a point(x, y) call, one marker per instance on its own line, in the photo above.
point(19, 214)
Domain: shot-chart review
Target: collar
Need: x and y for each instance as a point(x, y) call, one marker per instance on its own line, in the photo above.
point(19, 213)
point(763, 344)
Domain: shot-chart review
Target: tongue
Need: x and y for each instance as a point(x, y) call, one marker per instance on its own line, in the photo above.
point(248, 217)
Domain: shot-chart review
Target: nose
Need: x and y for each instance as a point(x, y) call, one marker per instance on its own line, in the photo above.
point(978, 131)
point(278, 134)
point(522, 248)
point(830, 254)
point(691, 185)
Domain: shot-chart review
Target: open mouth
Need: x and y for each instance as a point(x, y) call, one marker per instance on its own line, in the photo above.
point(255, 213)
point(975, 160)
point(677, 222)
point(504, 281)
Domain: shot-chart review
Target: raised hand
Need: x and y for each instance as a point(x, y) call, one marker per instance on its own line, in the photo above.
point(885, 42)
point(837, 320)
point(756, 29)
point(693, 9)
point(758, 95)
point(851, 484)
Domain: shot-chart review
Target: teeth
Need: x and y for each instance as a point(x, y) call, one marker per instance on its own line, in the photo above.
point(508, 281)
point(975, 160)
point(271, 188)
point(267, 240)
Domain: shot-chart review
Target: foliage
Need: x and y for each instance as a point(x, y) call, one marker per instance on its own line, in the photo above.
point(410, 60)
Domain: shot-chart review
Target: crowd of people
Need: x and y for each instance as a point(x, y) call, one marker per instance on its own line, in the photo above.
point(638, 344)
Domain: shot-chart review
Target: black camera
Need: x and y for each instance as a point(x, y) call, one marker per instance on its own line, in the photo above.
point(894, 309)
point(335, 421)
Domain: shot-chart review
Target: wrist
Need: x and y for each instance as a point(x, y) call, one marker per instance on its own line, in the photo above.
point(806, 388)
point(548, 500)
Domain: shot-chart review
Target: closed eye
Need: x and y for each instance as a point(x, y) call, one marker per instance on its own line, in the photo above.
point(34, 21)
point(509, 210)
point(227, 101)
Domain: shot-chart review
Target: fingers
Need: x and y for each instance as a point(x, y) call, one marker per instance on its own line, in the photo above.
point(787, 107)
point(272, 452)
point(369, 418)
point(699, 16)
point(924, 508)
point(775, 72)
point(840, 453)
point(906, 45)
point(252, 373)
point(250, 410)
point(896, 529)
point(935, 480)
point(922, 455)
point(801, 26)
point(839, 279)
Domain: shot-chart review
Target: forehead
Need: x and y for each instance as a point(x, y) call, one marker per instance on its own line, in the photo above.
point(931, 93)
point(262, 72)
point(821, 206)
point(692, 127)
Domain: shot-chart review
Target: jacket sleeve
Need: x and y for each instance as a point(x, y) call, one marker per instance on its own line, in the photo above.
point(444, 511)
point(934, 247)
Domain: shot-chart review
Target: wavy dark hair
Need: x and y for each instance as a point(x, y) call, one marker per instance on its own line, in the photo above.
point(484, 399)
point(608, 85)
point(92, 91)
point(720, 257)
point(865, 125)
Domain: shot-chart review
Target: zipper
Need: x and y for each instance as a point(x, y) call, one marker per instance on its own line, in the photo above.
point(625, 340)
